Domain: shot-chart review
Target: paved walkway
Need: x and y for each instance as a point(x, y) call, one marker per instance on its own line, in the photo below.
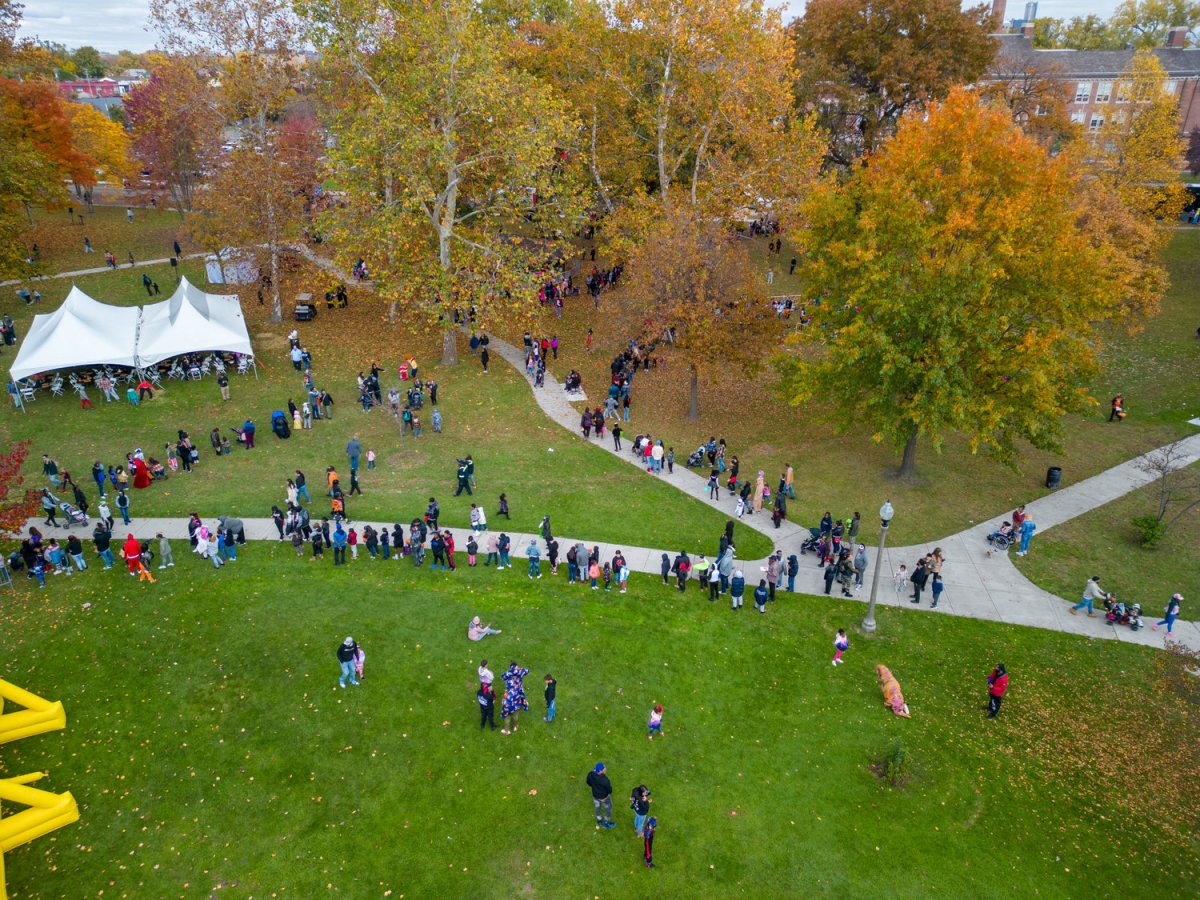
point(15, 282)
point(978, 584)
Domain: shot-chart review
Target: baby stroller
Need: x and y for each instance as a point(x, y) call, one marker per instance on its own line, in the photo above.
point(75, 516)
point(279, 425)
point(812, 542)
point(696, 457)
point(1118, 614)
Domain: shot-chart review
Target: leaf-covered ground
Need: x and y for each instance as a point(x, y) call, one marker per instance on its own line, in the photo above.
point(1155, 370)
point(517, 450)
point(211, 750)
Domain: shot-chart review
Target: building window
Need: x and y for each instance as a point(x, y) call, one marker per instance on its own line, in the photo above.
point(1040, 111)
point(1083, 92)
point(1122, 92)
point(1170, 87)
point(1077, 117)
point(1097, 122)
point(1103, 92)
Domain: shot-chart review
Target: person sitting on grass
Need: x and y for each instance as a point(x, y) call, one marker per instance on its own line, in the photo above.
point(477, 632)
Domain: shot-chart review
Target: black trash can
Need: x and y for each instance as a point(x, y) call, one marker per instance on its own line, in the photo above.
point(1053, 477)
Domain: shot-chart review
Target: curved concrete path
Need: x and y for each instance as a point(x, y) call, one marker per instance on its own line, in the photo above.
point(978, 585)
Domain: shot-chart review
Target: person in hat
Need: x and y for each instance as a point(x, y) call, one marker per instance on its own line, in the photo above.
point(648, 841)
point(997, 688)
point(346, 654)
point(601, 787)
point(1170, 613)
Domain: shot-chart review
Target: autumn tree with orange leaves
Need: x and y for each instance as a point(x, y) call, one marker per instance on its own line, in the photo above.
point(696, 282)
point(953, 288)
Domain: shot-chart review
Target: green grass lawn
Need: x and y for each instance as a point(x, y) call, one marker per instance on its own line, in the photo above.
point(210, 749)
point(60, 238)
point(1104, 542)
point(542, 469)
point(1155, 370)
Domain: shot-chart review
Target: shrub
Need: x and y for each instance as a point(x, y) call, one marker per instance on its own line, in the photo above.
point(1152, 530)
point(893, 766)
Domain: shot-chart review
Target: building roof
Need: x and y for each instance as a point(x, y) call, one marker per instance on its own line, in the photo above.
point(1017, 52)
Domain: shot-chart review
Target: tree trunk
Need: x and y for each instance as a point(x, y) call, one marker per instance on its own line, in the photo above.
point(450, 347)
point(693, 394)
point(28, 213)
point(908, 465)
point(276, 300)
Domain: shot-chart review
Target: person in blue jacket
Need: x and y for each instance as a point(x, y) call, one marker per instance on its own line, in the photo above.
point(737, 587)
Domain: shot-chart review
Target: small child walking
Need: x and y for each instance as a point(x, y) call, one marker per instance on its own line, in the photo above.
point(370, 458)
point(841, 644)
point(551, 686)
point(655, 723)
point(899, 580)
point(166, 557)
point(360, 657)
point(648, 831)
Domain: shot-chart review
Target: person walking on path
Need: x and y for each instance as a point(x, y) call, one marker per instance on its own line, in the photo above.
point(534, 555)
point(493, 551)
point(346, 653)
point(487, 705)
point(123, 506)
point(759, 489)
point(1170, 613)
point(48, 507)
point(601, 787)
point(165, 556)
point(514, 695)
point(616, 435)
point(997, 687)
point(551, 693)
point(1028, 527)
point(1091, 593)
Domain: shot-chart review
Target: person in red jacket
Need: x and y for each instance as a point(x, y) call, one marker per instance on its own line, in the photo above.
point(997, 687)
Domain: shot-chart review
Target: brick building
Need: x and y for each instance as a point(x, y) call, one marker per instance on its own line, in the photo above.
point(1095, 74)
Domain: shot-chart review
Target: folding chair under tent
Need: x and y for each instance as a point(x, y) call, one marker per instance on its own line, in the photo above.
point(192, 321)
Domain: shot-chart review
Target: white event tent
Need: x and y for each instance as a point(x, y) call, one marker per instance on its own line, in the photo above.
point(191, 321)
point(84, 332)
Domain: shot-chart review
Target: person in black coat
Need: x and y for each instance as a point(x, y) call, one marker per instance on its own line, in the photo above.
point(918, 578)
point(830, 575)
point(487, 706)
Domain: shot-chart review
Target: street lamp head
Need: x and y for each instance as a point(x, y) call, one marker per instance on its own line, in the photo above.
point(886, 512)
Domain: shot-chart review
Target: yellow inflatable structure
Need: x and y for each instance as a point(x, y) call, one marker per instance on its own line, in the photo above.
point(38, 716)
point(45, 812)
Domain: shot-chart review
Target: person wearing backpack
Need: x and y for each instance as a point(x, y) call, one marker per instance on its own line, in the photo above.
point(503, 544)
point(682, 567)
point(793, 569)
